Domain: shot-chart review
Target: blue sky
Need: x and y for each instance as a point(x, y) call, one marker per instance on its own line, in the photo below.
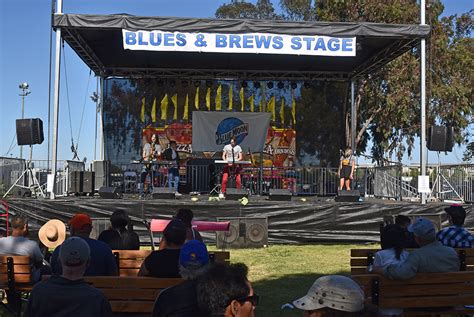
point(24, 55)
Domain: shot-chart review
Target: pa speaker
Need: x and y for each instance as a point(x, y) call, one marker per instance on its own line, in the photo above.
point(102, 173)
point(440, 138)
point(109, 192)
point(163, 193)
point(243, 233)
point(280, 194)
point(29, 131)
point(235, 193)
point(348, 196)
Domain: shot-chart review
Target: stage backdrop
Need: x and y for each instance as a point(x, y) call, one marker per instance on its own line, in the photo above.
point(213, 130)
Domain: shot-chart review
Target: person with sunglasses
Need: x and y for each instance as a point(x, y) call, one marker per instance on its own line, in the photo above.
point(225, 291)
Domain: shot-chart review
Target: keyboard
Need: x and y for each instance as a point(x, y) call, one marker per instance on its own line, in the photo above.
point(230, 162)
point(154, 162)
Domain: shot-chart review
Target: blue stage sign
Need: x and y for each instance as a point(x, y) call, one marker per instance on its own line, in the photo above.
point(254, 43)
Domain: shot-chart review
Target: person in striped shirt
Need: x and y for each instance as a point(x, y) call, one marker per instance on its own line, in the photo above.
point(456, 236)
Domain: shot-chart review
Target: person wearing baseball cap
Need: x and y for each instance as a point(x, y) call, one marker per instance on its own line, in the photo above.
point(182, 298)
point(431, 257)
point(69, 294)
point(102, 261)
point(456, 236)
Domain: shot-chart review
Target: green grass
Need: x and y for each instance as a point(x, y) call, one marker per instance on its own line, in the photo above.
point(282, 273)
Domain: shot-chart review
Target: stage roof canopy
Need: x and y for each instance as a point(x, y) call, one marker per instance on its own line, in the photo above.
point(97, 39)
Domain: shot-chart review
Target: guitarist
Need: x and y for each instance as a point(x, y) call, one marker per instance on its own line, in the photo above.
point(231, 153)
point(151, 151)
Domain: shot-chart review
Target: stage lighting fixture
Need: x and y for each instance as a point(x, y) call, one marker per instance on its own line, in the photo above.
point(307, 85)
point(24, 85)
point(294, 85)
point(270, 85)
point(280, 85)
point(256, 84)
point(197, 83)
point(244, 84)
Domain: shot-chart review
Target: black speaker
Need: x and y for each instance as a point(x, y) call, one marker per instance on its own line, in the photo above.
point(81, 182)
point(280, 194)
point(109, 192)
point(348, 196)
point(102, 173)
point(440, 138)
point(243, 233)
point(235, 193)
point(163, 193)
point(88, 184)
point(29, 131)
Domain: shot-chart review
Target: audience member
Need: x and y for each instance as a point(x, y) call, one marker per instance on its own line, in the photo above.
point(181, 300)
point(404, 221)
point(68, 294)
point(164, 262)
point(52, 234)
point(456, 235)
point(186, 216)
point(119, 237)
point(392, 239)
point(332, 295)
point(18, 244)
point(432, 256)
point(102, 261)
point(225, 291)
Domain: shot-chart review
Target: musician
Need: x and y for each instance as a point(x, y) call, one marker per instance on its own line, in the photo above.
point(346, 169)
point(231, 153)
point(171, 154)
point(151, 151)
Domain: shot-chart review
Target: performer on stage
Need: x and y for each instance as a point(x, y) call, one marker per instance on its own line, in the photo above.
point(151, 151)
point(346, 169)
point(231, 153)
point(171, 154)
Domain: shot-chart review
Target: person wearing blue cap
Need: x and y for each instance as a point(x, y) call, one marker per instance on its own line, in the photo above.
point(456, 236)
point(431, 257)
point(181, 300)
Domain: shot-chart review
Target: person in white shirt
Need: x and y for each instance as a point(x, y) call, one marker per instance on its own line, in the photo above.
point(151, 151)
point(231, 153)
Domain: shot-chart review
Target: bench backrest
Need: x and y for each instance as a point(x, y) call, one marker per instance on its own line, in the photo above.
point(134, 295)
point(130, 261)
point(424, 290)
point(15, 271)
point(361, 258)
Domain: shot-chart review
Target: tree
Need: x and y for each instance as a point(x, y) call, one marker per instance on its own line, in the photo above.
point(388, 101)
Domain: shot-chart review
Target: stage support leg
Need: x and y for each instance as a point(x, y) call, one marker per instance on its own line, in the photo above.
point(423, 101)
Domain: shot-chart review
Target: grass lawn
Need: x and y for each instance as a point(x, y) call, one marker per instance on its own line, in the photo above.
point(282, 273)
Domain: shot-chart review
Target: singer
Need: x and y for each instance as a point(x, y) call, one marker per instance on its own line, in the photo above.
point(346, 169)
point(231, 153)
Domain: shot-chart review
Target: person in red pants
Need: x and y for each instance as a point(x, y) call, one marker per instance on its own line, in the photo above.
point(231, 153)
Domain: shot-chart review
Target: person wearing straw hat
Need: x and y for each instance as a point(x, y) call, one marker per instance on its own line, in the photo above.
point(52, 233)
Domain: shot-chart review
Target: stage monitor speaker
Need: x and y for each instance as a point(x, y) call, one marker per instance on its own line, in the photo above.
point(109, 192)
point(243, 233)
point(102, 173)
point(235, 193)
point(440, 138)
point(348, 196)
point(29, 131)
point(163, 193)
point(280, 194)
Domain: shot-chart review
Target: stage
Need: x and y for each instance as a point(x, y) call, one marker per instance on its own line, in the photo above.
point(302, 220)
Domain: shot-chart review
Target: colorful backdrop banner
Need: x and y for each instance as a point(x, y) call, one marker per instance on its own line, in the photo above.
point(212, 130)
point(256, 43)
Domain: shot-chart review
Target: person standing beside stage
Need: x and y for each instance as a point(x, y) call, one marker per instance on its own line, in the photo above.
point(346, 169)
point(231, 153)
point(171, 154)
point(151, 151)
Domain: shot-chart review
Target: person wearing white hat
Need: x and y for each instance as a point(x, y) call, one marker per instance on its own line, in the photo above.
point(52, 233)
point(332, 295)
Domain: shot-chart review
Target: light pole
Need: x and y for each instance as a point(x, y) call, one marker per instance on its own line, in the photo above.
point(24, 92)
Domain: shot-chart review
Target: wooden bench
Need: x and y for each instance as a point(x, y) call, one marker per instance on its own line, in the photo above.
point(423, 295)
point(15, 279)
point(130, 261)
point(361, 258)
point(131, 295)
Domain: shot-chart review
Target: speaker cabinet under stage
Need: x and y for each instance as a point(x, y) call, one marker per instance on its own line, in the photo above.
point(280, 194)
point(80, 182)
point(29, 131)
point(440, 138)
point(348, 196)
point(243, 233)
point(109, 192)
point(235, 193)
point(163, 193)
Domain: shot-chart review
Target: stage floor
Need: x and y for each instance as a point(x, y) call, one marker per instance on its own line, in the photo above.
point(301, 220)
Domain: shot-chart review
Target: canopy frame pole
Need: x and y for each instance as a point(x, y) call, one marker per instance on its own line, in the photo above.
point(423, 152)
point(57, 73)
point(353, 117)
point(101, 105)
